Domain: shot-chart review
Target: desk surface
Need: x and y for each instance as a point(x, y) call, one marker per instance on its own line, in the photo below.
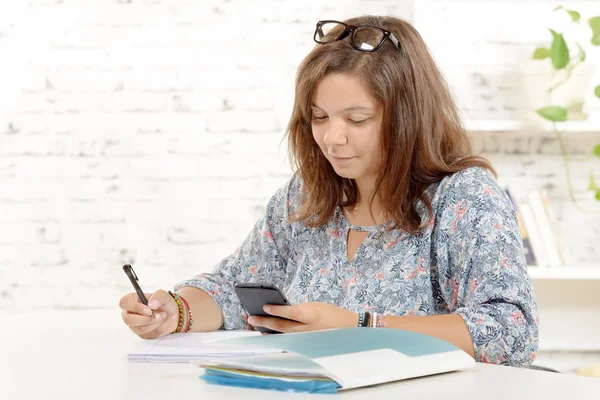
point(83, 354)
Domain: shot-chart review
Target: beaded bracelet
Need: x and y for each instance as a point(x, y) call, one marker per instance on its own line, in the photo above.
point(367, 319)
point(370, 320)
point(364, 319)
point(180, 306)
point(377, 320)
point(183, 325)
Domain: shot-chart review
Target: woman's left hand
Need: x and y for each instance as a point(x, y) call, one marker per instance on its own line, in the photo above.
point(305, 317)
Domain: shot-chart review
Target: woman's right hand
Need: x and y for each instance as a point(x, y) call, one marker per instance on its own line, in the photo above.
point(158, 318)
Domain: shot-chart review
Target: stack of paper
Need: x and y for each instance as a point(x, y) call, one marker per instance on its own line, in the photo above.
point(337, 359)
point(187, 347)
point(281, 371)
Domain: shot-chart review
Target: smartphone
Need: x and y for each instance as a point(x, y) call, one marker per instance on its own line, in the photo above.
point(254, 296)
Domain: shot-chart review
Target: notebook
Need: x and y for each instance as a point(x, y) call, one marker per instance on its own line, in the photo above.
point(336, 359)
point(186, 347)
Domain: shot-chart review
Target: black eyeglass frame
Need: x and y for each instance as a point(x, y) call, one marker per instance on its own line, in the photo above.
point(350, 30)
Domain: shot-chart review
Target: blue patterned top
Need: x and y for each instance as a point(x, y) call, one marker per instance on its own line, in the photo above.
point(468, 261)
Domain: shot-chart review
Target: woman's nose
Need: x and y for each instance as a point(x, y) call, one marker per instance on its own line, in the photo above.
point(335, 135)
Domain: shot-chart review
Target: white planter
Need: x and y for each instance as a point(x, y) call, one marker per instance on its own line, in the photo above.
point(536, 77)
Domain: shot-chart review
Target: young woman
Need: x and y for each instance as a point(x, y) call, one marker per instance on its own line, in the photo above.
point(389, 215)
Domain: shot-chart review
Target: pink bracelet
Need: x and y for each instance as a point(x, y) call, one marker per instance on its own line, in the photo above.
point(377, 320)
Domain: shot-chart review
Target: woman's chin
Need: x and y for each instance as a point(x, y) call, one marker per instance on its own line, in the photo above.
point(344, 173)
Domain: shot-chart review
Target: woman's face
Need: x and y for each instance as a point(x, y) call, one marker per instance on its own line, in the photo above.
point(346, 124)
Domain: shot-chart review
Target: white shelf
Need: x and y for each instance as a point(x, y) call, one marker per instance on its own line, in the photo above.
point(588, 126)
point(565, 273)
point(569, 329)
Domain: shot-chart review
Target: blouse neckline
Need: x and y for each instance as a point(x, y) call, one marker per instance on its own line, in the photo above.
point(359, 228)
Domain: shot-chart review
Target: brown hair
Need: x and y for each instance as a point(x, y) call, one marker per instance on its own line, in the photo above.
point(423, 139)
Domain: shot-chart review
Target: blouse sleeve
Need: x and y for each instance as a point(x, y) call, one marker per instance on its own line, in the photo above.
point(482, 269)
point(262, 257)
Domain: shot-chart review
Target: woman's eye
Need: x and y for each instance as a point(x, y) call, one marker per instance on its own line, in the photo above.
point(319, 118)
point(358, 122)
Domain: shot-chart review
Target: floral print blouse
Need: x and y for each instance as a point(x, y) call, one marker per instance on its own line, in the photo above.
point(468, 261)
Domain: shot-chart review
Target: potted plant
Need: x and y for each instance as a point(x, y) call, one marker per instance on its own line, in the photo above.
point(564, 61)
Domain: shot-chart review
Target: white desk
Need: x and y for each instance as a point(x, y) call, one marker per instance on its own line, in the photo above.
point(83, 355)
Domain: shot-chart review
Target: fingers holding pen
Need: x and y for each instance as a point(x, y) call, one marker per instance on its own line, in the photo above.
point(159, 329)
point(132, 303)
point(133, 319)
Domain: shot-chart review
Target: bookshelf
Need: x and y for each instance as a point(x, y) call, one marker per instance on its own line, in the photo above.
point(566, 295)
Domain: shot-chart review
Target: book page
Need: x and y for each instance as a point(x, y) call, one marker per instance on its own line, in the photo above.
point(184, 347)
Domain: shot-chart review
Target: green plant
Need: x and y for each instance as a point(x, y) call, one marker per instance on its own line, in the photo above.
point(559, 55)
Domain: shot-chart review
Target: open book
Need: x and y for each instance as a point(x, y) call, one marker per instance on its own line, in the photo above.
point(186, 347)
point(336, 359)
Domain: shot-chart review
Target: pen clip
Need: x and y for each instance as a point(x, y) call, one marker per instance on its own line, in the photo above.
point(130, 272)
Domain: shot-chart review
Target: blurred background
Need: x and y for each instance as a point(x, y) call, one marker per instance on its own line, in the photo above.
point(150, 132)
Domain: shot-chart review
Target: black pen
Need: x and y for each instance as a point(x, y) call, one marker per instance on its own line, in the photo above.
point(134, 281)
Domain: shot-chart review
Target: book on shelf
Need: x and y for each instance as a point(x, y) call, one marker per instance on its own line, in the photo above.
point(556, 231)
point(535, 238)
point(530, 251)
point(545, 227)
point(543, 244)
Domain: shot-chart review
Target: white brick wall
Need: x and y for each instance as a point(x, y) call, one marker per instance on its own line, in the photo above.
point(149, 131)
point(480, 45)
point(141, 131)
